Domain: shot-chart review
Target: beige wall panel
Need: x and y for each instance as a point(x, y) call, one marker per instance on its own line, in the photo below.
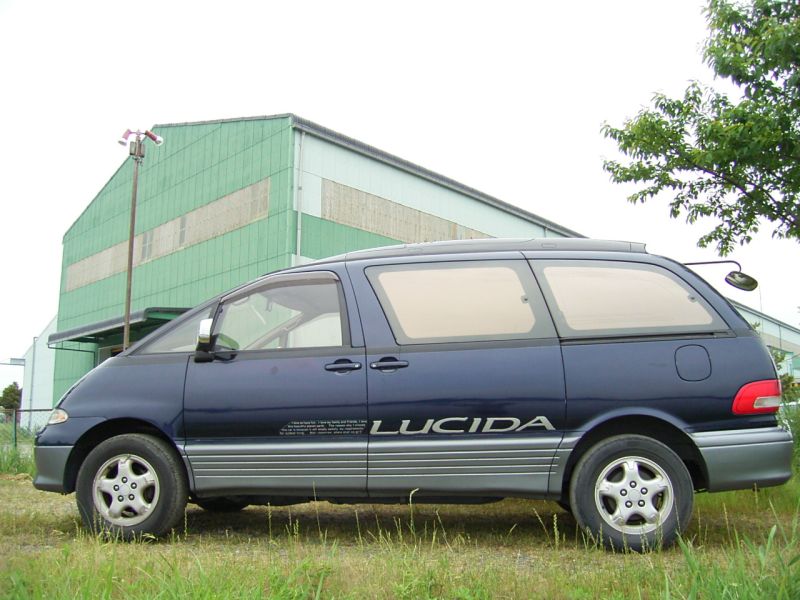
point(348, 206)
point(204, 223)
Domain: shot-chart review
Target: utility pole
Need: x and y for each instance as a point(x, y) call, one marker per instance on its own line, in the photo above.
point(135, 142)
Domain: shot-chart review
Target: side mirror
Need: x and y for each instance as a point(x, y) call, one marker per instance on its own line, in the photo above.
point(741, 281)
point(735, 278)
point(204, 342)
point(204, 334)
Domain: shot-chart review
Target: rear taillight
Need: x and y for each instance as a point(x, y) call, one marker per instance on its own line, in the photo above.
point(758, 397)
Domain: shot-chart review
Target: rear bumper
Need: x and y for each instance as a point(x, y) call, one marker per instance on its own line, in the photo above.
point(51, 462)
point(741, 458)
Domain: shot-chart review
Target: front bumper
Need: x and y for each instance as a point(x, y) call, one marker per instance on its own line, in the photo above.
point(741, 458)
point(51, 464)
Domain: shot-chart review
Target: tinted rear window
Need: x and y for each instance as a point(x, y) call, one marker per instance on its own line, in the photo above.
point(621, 298)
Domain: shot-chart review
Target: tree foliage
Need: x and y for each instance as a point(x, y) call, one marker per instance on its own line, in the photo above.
point(791, 393)
point(11, 397)
point(735, 160)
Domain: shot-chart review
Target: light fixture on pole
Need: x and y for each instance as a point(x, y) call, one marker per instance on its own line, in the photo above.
point(135, 142)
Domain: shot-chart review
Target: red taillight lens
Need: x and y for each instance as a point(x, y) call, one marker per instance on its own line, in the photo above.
point(758, 397)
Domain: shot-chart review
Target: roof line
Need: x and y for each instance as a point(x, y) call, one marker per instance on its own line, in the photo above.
point(376, 153)
point(413, 168)
point(372, 152)
point(764, 315)
point(96, 196)
point(229, 120)
point(125, 160)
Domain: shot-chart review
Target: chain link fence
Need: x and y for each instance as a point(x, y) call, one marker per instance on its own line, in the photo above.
point(19, 427)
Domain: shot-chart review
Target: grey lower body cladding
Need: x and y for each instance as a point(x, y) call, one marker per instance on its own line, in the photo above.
point(741, 458)
point(51, 463)
point(501, 466)
point(292, 467)
point(468, 466)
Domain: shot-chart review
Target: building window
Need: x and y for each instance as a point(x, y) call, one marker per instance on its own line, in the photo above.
point(147, 245)
point(182, 231)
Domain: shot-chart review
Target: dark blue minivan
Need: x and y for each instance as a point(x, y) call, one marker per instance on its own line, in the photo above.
point(591, 373)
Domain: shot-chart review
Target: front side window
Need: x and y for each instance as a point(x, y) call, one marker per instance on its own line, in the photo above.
point(182, 338)
point(460, 301)
point(620, 298)
point(297, 314)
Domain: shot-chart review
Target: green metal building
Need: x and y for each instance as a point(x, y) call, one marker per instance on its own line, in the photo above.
point(218, 205)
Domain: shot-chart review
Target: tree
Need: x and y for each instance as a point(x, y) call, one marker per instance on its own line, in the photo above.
point(736, 160)
point(11, 396)
point(791, 393)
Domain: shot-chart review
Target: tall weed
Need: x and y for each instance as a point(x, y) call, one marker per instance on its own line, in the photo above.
point(14, 461)
point(748, 570)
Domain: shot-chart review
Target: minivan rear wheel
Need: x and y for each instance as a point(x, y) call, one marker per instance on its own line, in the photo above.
point(631, 491)
point(131, 485)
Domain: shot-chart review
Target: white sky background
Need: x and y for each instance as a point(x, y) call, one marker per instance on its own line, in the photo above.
point(506, 97)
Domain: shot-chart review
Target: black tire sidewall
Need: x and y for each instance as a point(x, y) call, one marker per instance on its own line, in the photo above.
point(597, 458)
point(171, 478)
point(565, 505)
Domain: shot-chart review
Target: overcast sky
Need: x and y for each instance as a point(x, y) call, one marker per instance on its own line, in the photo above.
point(506, 97)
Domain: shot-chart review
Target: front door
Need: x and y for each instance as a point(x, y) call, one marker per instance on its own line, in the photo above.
point(465, 378)
point(282, 406)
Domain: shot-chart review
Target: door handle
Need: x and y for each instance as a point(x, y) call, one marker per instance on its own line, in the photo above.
point(342, 367)
point(388, 364)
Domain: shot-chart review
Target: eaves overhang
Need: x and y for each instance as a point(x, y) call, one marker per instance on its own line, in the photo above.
point(375, 153)
point(101, 330)
point(765, 316)
point(334, 137)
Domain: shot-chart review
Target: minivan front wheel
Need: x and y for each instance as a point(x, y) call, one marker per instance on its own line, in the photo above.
point(131, 485)
point(632, 492)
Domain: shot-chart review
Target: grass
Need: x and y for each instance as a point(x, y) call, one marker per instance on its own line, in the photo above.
point(739, 545)
point(742, 544)
point(790, 416)
point(13, 440)
point(14, 461)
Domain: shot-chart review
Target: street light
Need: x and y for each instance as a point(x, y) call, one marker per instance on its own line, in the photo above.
point(135, 142)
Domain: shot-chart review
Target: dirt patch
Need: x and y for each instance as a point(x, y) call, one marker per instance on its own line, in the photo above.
point(16, 477)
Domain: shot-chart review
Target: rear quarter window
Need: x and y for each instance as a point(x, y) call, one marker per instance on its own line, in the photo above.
point(590, 298)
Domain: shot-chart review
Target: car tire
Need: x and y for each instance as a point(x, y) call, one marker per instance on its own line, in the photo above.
point(222, 505)
point(564, 505)
point(631, 492)
point(130, 486)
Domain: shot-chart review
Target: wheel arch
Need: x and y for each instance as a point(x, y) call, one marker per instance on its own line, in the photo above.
point(106, 430)
point(650, 425)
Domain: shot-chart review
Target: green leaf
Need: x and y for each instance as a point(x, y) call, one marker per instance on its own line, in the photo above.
point(735, 161)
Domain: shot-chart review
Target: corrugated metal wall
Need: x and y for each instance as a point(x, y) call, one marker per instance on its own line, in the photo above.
point(352, 201)
point(198, 165)
point(218, 204)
